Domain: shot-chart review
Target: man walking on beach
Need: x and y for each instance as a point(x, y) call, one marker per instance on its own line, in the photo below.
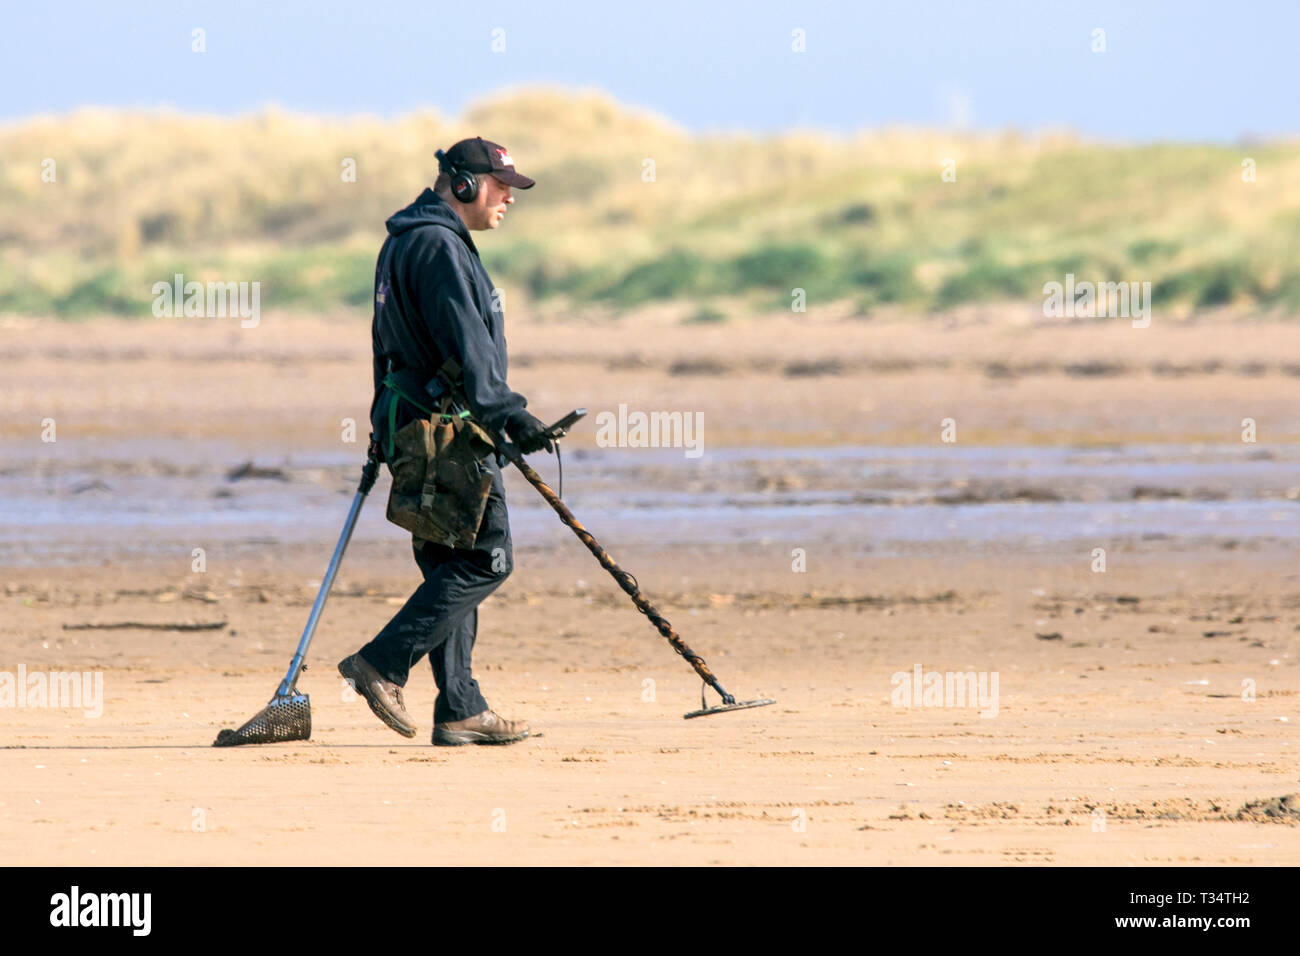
point(434, 302)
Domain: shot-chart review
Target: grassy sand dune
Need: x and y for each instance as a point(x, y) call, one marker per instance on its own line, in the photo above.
point(866, 219)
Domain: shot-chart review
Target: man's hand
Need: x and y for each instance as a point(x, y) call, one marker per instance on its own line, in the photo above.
point(528, 433)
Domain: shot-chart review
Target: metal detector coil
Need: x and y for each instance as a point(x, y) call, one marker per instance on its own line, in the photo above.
point(723, 708)
point(728, 703)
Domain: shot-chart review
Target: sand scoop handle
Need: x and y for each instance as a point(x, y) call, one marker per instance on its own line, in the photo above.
point(369, 473)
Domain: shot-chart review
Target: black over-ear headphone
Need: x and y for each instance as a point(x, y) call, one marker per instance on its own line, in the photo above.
point(464, 184)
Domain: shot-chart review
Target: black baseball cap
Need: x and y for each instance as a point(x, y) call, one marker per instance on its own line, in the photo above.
point(480, 156)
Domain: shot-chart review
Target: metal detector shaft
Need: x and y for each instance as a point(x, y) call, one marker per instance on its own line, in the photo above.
point(368, 475)
point(625, 580)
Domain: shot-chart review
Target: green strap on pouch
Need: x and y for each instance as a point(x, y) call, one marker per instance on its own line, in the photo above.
point(396, 392)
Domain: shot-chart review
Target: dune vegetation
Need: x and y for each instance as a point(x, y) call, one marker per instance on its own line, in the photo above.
point(97, 206)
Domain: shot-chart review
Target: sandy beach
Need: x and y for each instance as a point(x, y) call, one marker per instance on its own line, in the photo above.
point(826, 540)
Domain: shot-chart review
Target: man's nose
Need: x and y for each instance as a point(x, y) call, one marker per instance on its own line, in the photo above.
point(508, 197)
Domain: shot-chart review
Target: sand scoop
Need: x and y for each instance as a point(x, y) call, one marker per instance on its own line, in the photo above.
point(288, 715)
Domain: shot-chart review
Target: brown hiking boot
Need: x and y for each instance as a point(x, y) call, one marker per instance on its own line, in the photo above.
point(484, 728)
point(383, 696)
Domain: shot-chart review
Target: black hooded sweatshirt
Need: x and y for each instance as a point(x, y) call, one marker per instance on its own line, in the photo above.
point(433, 301)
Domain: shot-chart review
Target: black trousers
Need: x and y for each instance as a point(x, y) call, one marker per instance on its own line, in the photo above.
point(441, 618)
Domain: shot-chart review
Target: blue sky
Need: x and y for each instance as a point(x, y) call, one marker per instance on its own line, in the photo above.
point(1192, 71)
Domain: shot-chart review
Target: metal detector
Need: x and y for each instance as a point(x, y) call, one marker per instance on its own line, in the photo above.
point(625, 580)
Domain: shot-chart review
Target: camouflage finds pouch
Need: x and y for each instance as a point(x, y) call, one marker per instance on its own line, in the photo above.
point(440, 486)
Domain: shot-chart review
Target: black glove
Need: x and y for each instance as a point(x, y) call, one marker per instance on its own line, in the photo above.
point(528, 433)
